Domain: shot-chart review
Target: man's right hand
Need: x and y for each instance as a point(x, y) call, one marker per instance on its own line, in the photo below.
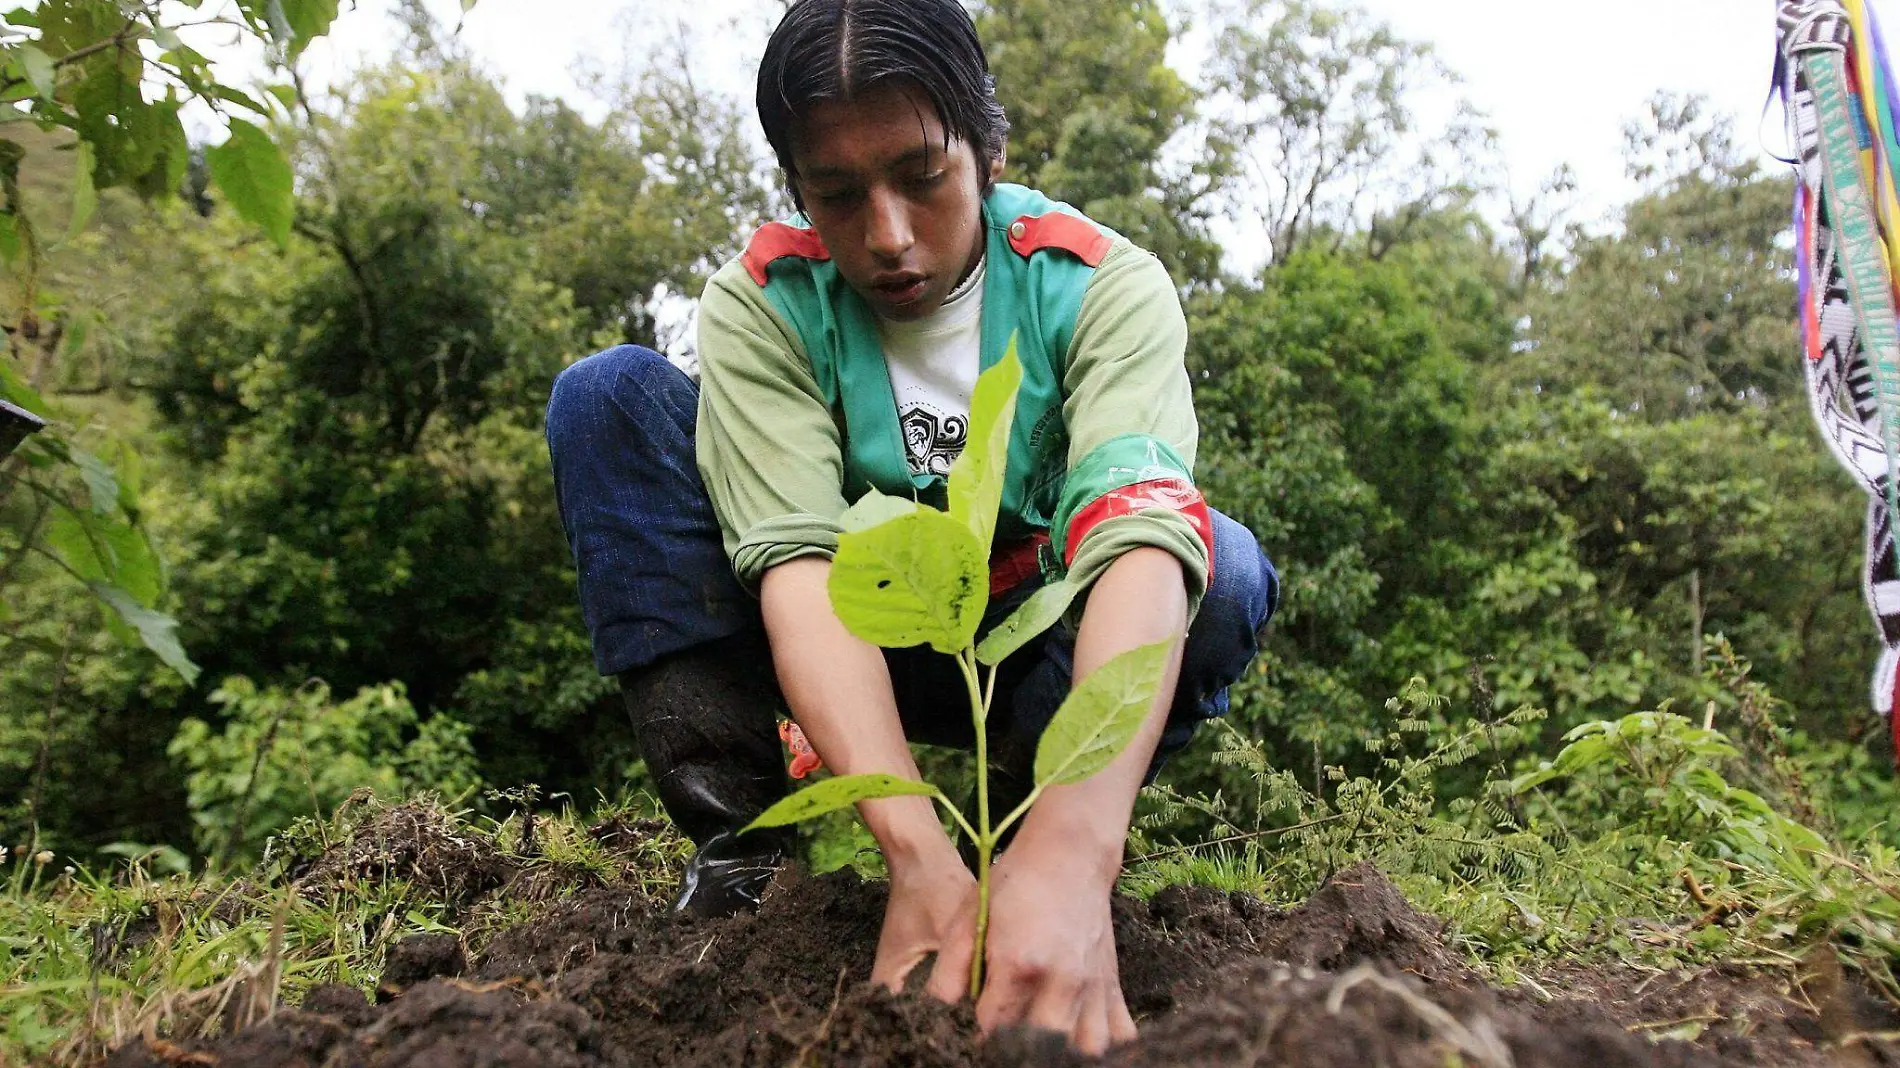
point(928, 899)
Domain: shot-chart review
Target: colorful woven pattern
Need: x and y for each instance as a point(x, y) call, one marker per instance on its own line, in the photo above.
point(1840, 95)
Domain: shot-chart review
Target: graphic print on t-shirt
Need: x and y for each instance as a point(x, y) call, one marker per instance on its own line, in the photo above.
point(932, 439)
point(933, 363)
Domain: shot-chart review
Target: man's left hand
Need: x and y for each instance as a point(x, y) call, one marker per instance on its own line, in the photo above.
point(1051, 949)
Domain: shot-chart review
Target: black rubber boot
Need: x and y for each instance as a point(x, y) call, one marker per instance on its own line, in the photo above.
point(706, 721)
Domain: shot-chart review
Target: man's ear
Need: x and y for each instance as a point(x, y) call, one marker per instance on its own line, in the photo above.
point(996, 166)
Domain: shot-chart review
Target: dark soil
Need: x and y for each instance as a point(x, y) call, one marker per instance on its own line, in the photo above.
point(1355, 977)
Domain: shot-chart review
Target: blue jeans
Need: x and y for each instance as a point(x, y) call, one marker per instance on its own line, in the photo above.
point(655, 580)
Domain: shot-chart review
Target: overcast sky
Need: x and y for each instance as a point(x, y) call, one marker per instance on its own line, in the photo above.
point(1557, 78)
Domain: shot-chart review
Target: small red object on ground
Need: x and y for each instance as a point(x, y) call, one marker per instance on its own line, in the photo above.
point(804, 759)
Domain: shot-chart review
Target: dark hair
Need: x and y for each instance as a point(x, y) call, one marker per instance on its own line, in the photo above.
point(828, 50)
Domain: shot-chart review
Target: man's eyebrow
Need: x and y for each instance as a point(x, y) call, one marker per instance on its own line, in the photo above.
point(919, 154)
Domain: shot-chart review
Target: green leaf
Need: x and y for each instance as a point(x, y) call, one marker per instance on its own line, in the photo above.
point(101, 484)
point(977, 478)
point(873, 509)
point(85, 196)
point(916, 579)
point(298, 22)
point(40, 71)
point(170, 152)
point(240, 98)
point(156, 630)
point(167, 38)
point(15, 389)
point(1036, 615)
point(108, 551)
point(836, 793)
point(254, 175)
point(1100, 716)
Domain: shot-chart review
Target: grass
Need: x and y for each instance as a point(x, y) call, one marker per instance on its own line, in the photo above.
point(92, 959)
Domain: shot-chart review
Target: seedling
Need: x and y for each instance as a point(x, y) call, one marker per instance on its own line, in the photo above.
point(907, 574)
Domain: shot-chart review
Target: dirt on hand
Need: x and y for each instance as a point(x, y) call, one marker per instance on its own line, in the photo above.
point(1354, 977)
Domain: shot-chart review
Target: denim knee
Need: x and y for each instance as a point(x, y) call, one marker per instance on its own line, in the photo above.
point(634, 380)
point(1242, 593)
point(651, 571)
point(1244, 581)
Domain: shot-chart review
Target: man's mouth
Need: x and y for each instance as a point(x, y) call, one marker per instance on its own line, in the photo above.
point(901, 290)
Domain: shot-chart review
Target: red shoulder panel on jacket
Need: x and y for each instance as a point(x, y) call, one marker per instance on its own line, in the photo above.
point(775, 241)
point(1076, 236)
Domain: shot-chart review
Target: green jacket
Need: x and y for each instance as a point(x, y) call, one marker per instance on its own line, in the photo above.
point(797, 417)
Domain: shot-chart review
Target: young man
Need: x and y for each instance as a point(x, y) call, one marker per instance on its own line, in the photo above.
point(838, 353)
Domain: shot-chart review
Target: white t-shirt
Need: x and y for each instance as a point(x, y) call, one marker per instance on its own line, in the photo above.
point(933, 365)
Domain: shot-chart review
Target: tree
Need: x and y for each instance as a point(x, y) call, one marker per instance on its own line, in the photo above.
point(1091, 102)
point(79, 67)
point(1315, 103)
point(1685, 308)
point(1334, 408)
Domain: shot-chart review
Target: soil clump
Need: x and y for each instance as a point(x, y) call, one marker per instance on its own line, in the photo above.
point(417, 841)
point(1353, 977)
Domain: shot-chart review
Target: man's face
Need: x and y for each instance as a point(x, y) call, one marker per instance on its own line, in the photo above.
point(900, 213)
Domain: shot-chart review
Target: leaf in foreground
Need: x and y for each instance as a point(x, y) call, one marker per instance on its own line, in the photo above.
point(107, 551)
point(837, 793)
point(976, 478)
point(1036, 615)
point(157, 630)
point(918, 579)
point(874, 509)
point(1101, 715)
point(253, 174)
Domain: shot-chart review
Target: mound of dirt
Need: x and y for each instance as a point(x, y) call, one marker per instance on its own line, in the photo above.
point(1359, 916)
point(1372, 1015)
point(1353, 977)
point(415, 841)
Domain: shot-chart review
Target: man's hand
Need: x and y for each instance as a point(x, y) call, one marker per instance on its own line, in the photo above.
point(1051, 960)
point(1051, 957)
point(932, 910)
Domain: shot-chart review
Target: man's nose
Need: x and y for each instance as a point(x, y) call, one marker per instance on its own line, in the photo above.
point(888, 236)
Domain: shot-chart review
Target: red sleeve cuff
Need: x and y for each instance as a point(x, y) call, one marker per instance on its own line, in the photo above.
point(1177, 495)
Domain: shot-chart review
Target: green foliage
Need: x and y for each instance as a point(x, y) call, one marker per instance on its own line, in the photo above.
point(284, 755)
point(1100, 716)
point(840, 791)
point(84, 520)
point(976, 478)
point(915, 579)
point(1040, 612)
point(1632, 840)
point(1698, 276)
point(79, 67)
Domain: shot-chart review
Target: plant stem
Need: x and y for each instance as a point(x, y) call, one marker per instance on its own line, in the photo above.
point(986, 839)
point(983, 847)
